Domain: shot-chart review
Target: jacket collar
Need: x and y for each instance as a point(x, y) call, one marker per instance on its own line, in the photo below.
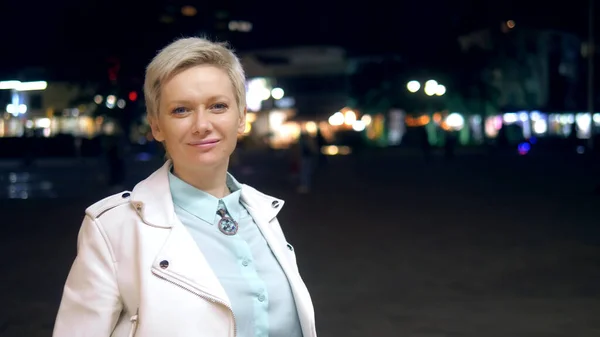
point(153, 201)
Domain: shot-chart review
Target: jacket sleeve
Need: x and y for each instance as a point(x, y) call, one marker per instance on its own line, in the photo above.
point(91, 304)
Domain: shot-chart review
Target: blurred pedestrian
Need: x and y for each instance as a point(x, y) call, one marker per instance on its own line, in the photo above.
point(308, 155)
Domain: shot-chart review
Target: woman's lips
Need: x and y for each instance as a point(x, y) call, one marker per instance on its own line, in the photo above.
point(204, 144)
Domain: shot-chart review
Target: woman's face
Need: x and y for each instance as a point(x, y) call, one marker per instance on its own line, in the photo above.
point(198, 118)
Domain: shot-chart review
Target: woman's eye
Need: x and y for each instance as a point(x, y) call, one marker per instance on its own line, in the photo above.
point(179, 110)
point(219, 106)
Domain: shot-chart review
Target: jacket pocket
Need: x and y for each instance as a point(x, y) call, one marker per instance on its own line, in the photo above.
point(134, 324)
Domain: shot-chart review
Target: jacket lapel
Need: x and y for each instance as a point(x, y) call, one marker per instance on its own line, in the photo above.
point(179, 260)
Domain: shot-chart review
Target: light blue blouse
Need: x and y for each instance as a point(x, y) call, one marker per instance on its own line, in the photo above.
point(258, 289)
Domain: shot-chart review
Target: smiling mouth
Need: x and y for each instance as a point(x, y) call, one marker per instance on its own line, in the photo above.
point(204, 142)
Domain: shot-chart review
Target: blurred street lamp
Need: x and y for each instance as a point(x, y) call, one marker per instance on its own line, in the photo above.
point(413, 86)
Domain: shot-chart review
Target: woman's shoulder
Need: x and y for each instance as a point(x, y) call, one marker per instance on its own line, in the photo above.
point(109, 204)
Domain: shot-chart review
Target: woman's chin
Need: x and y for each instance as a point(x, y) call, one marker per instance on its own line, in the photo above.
point(207, 161)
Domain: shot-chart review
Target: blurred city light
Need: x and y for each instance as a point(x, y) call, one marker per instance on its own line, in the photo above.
point(133, 96)
point(110, 101)
point(540, 126)
point(413, 86)
point(257, 91)
point(98, 99)
point(440, 90)
point(285, 102)
point(510, 24)
point(510, 117)
point(524, 148)
point(23, 86)
point(455, 121)
point(311, 127)
point(431, 83)
point(264, 94)
point(240, 26)
point(334, 150)
point(366, 119)
point(431, 87)
point(189, 11)
point(358, 125)
point(276, 119)
point(43, 123)
point(349, 117)
point(277, 93)
point(247, 127)
point(336, 119)
point(16, 109)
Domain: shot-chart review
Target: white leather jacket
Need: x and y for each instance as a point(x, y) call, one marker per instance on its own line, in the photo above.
point(139, 273)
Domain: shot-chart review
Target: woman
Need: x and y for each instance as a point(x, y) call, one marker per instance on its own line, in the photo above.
point(190, 251)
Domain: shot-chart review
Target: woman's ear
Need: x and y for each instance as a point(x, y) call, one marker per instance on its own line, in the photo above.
point(242, 125)
point(156, 131)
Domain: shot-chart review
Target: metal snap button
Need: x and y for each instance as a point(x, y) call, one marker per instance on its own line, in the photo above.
point(164, 264)
point(275, 204)
point(125, 195)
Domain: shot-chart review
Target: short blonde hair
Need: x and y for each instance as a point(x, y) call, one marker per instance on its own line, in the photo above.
point(186, 53)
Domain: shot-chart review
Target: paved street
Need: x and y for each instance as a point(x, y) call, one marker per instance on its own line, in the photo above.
point(388, 245)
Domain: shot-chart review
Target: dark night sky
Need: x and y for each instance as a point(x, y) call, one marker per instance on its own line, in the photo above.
point(75, 34)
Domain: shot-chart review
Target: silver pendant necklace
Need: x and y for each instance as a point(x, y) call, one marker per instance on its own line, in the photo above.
point(227, 225)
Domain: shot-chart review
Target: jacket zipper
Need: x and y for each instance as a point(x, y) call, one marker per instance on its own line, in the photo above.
point(201, 295)
point(134, 322)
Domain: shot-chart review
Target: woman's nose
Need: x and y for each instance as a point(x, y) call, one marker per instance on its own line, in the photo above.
point(202, 123)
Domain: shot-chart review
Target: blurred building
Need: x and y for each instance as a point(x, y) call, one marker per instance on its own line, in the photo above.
point(48, 109)
point(216, 21)
point(530, 68)
point(311, 84)
point(316, 77)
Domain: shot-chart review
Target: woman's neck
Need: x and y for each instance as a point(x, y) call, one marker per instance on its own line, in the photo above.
point(213, 181)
